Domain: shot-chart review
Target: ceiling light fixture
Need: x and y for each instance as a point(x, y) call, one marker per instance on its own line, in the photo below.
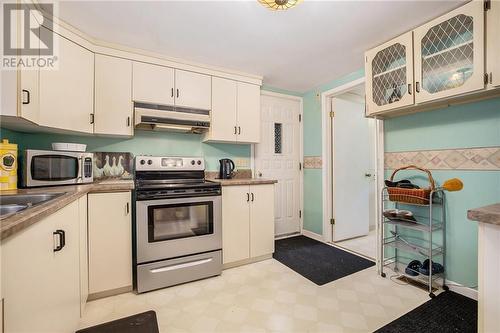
point(279, 4)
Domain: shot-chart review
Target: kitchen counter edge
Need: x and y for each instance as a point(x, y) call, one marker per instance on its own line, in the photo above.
point(243, 181)
point(487, 214)
point(11, 225)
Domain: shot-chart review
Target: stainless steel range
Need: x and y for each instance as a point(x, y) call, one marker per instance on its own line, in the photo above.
point(178, 236)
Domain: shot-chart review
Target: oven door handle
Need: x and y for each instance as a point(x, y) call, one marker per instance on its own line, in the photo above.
point(180, 266)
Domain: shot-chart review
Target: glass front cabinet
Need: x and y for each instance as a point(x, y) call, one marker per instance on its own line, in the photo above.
point(449, 54)
point(440, 59)
point(389, 75)
point(493, 43)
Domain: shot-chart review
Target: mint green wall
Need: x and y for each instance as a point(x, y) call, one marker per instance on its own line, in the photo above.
point(468, 125)
point(313, 205)
point(143, 142)
point(462, 126)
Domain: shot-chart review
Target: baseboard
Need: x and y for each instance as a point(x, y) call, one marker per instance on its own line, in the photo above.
point(462, 290)
point(247, 261)
point(108, 293)
point(293, 234)
point(313, 235)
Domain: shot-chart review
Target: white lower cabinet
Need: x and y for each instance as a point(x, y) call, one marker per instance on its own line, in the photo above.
point(247, 222)
point(110, 243)
point(41, 275)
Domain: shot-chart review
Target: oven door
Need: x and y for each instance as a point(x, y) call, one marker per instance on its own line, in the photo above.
point(169, 228)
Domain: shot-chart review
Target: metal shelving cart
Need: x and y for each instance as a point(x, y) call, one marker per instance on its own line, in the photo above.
point(418, 240)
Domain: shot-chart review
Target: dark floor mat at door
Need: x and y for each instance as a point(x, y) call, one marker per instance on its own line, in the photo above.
point(140, 323)
point(316, 261)
point(447, 312)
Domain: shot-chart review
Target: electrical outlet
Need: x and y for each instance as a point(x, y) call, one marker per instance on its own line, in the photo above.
point(243, 163)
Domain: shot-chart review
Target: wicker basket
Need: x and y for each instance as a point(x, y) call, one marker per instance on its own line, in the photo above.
point(411, 196)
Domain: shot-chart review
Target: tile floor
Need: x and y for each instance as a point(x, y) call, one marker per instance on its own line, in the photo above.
point(365, 245)
point(267, 297)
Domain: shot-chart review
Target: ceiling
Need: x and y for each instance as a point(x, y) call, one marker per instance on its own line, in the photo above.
point(297, 50)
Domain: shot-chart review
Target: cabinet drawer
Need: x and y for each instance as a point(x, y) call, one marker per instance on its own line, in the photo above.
point(170, 272)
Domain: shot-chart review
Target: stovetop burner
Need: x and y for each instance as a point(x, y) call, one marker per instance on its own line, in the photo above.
point(172, 177)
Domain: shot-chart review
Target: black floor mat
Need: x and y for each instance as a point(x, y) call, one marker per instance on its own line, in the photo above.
point(317, 261)
point(140, 323)
point(447, 312)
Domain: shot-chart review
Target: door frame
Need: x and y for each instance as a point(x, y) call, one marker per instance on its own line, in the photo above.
point(301, 149)
point(327, 155)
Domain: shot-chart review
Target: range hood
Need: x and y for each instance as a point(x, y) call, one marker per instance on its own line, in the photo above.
point(170, 118)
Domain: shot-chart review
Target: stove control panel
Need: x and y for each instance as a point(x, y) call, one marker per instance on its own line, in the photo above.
point(159, 163)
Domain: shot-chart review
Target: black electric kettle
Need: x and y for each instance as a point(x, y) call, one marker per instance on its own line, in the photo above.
point(226, 168)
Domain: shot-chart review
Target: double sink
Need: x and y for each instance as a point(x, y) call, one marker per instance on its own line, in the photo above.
point(10, 204)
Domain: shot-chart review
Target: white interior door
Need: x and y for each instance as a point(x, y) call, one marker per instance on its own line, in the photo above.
point(353, 170)
point(277, 156)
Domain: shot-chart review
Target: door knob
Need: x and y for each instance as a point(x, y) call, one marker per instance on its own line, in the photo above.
point(259, 174)
point(368, 175)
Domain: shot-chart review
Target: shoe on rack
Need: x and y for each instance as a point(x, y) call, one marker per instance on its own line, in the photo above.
point(413, 268)
point(436, 268)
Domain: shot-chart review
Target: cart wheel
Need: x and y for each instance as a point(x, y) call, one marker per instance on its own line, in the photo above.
point(431, 295)
point(446, 288)
point(382, 275)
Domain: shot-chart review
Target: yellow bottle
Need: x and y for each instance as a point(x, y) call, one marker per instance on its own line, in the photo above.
point(8, 165)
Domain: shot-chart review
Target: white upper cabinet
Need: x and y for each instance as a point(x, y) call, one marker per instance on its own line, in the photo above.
point(193, 90)
point(493, 43)
point(235, 114)
point(248, 113)
point(67, 94)
point(153, 84)
point(165, 86)
point(223, 114)
point(389, 75)
point(113, 96)
point(449, 54)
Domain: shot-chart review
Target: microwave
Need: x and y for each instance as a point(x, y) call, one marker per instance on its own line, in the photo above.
point(47, 168)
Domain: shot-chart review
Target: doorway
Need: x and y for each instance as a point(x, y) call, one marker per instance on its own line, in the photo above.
point(279, 155)
point(353, 170)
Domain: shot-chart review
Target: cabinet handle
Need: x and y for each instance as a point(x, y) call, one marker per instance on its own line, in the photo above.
point(27, 95)
point(490, 77)
point(239, 130)
point(127, 208)
point(172, 92)
point(177, 93)
point(235, 130)
point(128, 121)
point(248, 197)
point(62, 239)
point(409, 88)
point(417, 86)
point(92, 118)
point(252, 197)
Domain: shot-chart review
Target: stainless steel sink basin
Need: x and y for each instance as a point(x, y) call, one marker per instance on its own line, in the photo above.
point(14, 203)
point(9, 209)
